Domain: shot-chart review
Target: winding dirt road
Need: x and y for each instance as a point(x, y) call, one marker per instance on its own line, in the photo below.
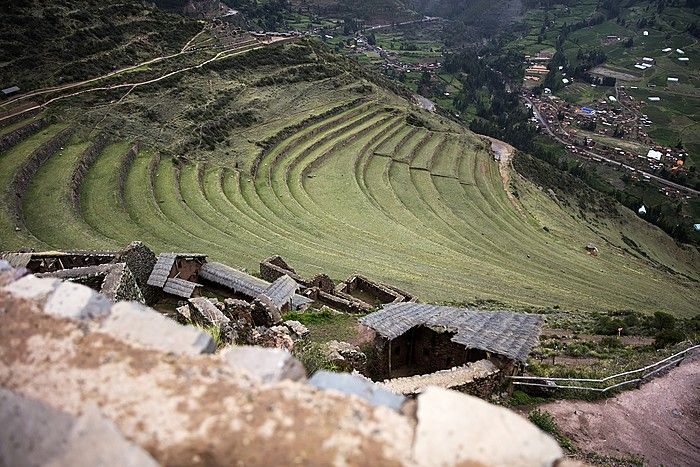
point(660, 421)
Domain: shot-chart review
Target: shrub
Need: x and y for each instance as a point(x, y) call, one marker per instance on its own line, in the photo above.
point(608, 326)
point(611, 342)
point(667, 337)
point(663, 321)
point(545, 422)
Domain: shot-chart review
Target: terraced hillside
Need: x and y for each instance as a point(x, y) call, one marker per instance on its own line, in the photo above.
point(349, 178)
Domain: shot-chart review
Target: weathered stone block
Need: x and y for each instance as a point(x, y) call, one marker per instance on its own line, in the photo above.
point(297, 329)
point(345, 356)
point(35, 434)
point(265, 313)
point(140, 325)
point(470, 431)
point(33, 288)
point(76, 301)
point(358, 386)
point(267, 365)
point(276, 336)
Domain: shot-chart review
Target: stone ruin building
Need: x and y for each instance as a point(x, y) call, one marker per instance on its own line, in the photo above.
point(416, 345)
point(461, 348)
point(176, 273)
point(119, 275)
point(357, 294)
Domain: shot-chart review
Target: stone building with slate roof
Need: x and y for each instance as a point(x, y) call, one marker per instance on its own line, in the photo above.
point(243, 284)
point(177, 273)
point(415, 338)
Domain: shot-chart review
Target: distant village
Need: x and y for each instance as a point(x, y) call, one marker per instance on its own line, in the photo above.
point(612, 127)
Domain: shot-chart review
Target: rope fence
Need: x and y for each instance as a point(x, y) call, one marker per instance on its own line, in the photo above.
point(588, 384)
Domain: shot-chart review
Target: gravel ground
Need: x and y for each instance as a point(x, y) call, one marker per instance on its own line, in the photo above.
point(660, 421)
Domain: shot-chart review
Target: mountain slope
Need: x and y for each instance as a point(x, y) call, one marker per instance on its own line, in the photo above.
point(47, 43)
point(291, 149)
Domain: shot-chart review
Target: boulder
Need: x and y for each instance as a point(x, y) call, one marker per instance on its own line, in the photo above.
point(240, 314)
point(36, 434)
point(76, 301)
point(143, 326)
point(276, 336)
point(296, 329)
point(470, 431)
point(238, 310)
point(345, 356)
point(266, 365)
point(264, 312)
point(33, 288)
point(358, 386)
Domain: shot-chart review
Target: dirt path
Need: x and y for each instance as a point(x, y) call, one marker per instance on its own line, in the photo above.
point(660, 421)
point(505, 152)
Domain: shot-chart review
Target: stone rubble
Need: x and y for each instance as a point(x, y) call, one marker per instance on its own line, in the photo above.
point(345, 356)
point(161, 401)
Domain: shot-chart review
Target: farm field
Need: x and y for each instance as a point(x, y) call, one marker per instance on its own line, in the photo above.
point(674, 117)
point(338, 175)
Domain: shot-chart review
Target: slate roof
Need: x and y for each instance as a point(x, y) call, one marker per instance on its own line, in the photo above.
point(22, 259)
point(180, 287)
point(241, 282)
point(161, 270)
point(17, 260)
point(282, 290)
point(510, 334)
point(82, 272)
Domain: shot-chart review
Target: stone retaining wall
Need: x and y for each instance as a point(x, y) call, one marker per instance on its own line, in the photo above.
point(127, 160)
point(21, 133)
point(87, 158)
point(25, 173)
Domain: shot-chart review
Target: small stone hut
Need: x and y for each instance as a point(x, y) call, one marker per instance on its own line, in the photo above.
point(415, 338)
point(177, 273)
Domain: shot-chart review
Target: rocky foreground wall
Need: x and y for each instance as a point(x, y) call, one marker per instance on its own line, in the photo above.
point(105, 375)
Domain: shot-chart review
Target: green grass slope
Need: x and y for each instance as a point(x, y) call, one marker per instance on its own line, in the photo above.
point(331, 171)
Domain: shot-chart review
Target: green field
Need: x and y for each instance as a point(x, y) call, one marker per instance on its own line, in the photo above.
point(339, 182)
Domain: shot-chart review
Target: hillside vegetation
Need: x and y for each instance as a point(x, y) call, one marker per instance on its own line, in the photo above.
point(45, 43)
point(291, 150)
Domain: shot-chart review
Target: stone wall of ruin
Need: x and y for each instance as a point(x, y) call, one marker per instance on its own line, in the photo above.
point(275, 267)
point(140, 260)
point(21, 133)
point(30, 166)
point(420, 351)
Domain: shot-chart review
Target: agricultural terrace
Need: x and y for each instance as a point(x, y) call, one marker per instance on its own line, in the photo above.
point(351, 178)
